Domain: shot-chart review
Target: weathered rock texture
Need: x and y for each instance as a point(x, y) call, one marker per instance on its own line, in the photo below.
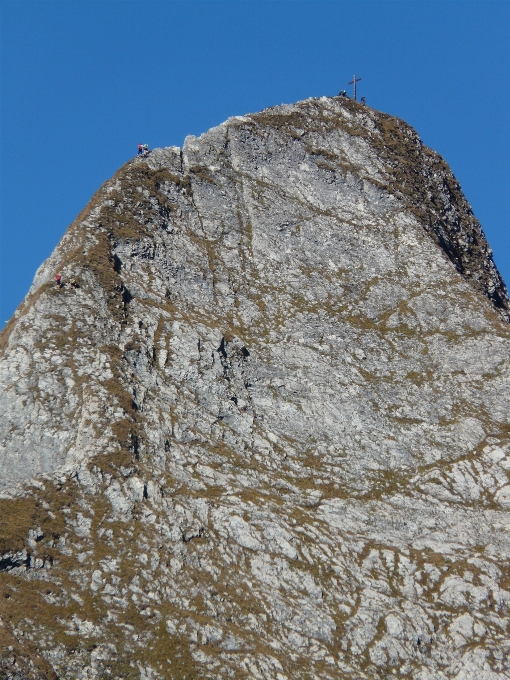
point(268, 436)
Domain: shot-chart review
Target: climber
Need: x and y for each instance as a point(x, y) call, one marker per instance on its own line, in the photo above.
point(73, 283)
point(342, 93)
point(58, 280)
point(363, 100)
point(145, 149)
point(140, 149)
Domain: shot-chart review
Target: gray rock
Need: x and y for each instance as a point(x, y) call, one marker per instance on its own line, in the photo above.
point(267, 436)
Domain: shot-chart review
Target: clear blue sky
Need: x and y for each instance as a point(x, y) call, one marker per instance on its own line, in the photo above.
point(84, 81)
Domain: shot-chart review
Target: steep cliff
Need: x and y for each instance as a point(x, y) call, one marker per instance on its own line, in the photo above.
point(268, 434)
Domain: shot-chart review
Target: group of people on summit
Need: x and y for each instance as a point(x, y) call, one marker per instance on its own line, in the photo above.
point(343, 93)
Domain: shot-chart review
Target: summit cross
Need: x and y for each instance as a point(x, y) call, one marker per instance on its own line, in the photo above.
point(353, 82)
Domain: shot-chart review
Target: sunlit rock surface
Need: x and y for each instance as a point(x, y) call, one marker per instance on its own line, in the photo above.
point(268, 435)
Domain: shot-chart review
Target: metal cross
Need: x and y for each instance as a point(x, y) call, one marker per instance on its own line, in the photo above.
point(353, 82)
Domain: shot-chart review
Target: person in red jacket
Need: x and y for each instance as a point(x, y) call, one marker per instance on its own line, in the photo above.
point(58, 280)
point(140, 149)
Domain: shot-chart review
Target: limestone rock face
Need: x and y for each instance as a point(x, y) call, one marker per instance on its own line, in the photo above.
point(268, 434)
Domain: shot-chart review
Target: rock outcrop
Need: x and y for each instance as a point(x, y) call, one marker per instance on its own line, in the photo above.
point(268, 434)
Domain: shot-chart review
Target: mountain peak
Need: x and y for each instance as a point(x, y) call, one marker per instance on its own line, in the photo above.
point(265, 433)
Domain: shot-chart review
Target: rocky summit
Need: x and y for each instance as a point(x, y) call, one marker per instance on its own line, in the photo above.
point(267, 433)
